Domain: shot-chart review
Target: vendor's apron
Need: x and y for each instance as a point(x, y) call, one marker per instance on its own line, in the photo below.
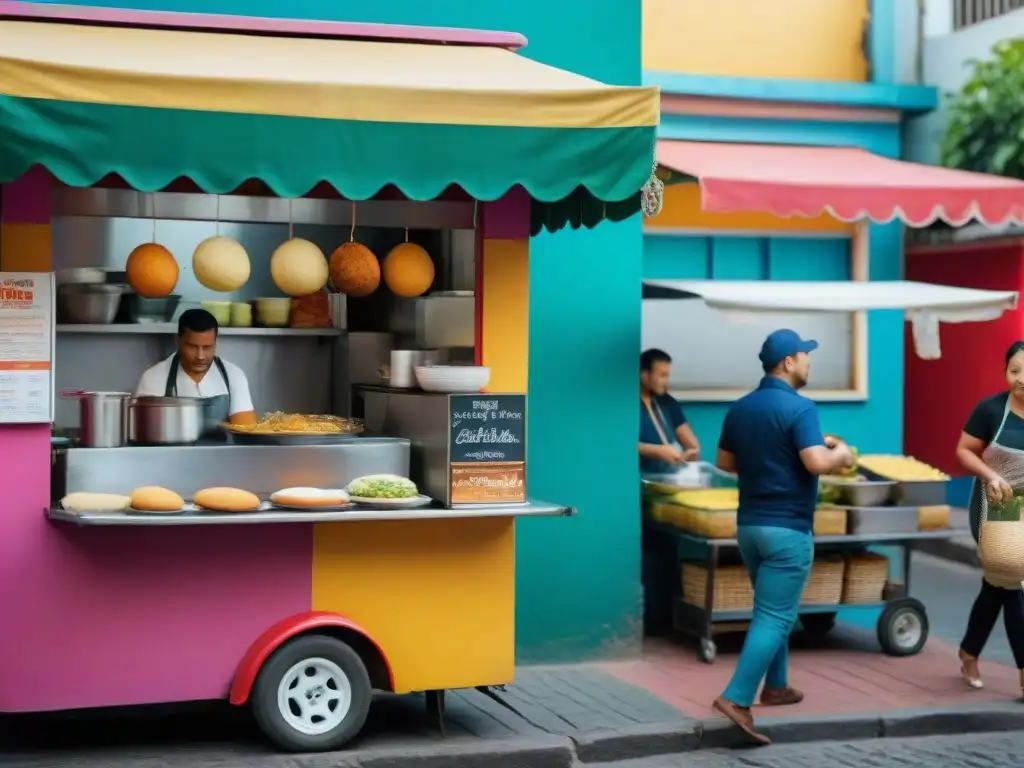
point(216, 409)
point(1009, 463)
point(661, 425)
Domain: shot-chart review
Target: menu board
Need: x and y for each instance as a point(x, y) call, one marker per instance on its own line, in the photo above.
point(487, 448)
point(26, 347)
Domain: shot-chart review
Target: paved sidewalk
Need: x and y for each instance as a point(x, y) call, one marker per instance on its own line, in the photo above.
point(844, 674)
point(555, 717)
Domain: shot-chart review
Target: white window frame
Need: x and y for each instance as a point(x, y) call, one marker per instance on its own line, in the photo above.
point(859, 261)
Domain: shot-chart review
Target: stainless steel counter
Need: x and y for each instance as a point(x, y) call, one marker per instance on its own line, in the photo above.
point(259, 469)
point(529, 509)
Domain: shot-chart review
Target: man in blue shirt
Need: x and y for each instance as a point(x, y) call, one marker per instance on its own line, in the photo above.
point(666, 440)
point(772, 440)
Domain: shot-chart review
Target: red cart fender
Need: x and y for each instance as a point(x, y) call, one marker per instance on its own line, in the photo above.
point(284, 630)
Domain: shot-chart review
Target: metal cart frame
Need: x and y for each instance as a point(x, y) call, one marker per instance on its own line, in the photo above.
point(902, 626)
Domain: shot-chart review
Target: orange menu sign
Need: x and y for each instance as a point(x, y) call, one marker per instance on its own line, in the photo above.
point(26, 347)
point(499, 481)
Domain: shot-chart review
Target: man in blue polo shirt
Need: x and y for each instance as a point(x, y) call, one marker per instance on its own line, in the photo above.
point(772, 440)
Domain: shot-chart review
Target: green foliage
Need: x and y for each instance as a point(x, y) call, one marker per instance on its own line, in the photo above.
point(986, 117)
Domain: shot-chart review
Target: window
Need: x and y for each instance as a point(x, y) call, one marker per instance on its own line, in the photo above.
point(715, 352)
point(967, 13)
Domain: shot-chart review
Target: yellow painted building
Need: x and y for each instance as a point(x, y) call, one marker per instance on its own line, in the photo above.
point(785, 39)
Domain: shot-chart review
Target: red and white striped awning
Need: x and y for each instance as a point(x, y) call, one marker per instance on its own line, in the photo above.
point(849, 183)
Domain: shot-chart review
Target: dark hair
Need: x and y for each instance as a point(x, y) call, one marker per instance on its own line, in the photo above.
point(1017, 346)
point(651, 356)
point(197, 321)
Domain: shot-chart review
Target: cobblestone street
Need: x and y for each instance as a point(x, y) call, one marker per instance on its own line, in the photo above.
point(982, 751)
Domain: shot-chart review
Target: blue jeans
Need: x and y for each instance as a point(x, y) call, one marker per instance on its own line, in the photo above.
point(779, 562)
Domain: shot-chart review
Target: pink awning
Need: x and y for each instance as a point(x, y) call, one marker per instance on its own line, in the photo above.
point(849, 183)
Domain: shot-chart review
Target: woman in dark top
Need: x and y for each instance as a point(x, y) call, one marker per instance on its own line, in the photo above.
point(992, 438)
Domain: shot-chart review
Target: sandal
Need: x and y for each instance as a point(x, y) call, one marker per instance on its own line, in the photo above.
point(972, 676)
point(741, 717)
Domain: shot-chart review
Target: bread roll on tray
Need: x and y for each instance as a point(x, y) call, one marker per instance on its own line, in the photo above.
point(153, 498)
point(310, 497)
point(226, 500)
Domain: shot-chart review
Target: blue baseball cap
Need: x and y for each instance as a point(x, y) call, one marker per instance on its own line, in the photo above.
point(782, 344)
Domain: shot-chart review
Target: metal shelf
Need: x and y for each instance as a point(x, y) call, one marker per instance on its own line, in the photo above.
point(165, 329)
point(355, 515)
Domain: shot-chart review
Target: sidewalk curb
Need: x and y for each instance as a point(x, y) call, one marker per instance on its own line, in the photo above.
point(650, 741)
point(526, 752)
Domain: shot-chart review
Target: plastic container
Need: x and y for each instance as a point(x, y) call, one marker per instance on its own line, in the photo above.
point(221, 311)
point(273, 313)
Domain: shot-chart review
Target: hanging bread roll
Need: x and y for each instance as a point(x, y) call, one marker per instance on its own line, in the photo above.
point(153, 498)
point(227, 500)
point(310, 497)
point(95, 502)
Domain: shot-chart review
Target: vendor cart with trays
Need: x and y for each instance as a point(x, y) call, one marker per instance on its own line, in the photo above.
point(696, 585)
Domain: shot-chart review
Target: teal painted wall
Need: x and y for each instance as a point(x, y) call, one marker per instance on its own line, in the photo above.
point(578, 579)
point(875, 425)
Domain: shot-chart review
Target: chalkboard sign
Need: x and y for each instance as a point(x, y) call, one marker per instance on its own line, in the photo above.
point(487, 449)
point(487, 428)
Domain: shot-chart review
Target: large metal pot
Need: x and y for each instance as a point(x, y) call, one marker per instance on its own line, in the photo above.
point(166, 420)
point(103, 417)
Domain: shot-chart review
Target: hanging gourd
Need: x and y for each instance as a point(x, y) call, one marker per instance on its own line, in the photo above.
point(299, 267)
point(408, 270)
point(152, 271)
point(221, 264)
point(354, 268)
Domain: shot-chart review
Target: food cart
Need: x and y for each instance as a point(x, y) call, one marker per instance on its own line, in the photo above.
point(694, 579)
point(299, 615)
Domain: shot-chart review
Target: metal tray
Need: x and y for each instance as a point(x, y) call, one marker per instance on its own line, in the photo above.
point(914, 493)
point(879, 520)
point(710, 477)
point(267, 438)
point(863, 493)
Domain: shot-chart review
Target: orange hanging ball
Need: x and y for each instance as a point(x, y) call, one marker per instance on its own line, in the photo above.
point(408, 270)
point(152, 271)
point(355, 271)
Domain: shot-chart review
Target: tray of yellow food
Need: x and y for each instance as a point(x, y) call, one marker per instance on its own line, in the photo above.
point(917, 484)
point(294, 429)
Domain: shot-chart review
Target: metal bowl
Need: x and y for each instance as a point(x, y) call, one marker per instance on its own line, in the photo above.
point(88, 303)
point(863, 493)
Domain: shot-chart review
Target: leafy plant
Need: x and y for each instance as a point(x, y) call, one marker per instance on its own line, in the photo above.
point(985, 132)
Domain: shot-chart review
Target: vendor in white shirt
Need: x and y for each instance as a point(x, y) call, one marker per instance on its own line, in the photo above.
point(196, 371)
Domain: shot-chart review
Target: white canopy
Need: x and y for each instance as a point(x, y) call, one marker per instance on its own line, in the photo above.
point(926, 305)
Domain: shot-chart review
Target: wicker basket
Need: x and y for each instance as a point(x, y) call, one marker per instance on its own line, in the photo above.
point(866, 574)
point(825, 585)
point(1001, 551)
point(733, 591)
point(829, 522)
point(933, 518)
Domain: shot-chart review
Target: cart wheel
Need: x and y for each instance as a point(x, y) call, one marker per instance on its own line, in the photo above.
point(903, 627)
point(312, 695)
point(708, 651)
point(818, 624)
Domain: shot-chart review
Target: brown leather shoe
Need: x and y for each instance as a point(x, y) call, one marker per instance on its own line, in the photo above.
point(742, 718)
point(780, 697)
